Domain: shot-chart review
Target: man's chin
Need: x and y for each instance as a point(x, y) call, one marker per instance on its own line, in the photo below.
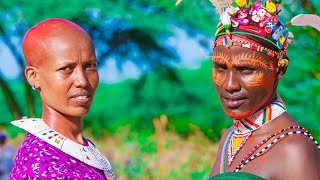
point(237, 114)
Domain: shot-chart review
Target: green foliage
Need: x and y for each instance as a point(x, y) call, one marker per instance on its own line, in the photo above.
point(188, 99)
point(186, 96)
point(122, 28)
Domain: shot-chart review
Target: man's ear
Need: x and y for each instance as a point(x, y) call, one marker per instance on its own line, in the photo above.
point(282, 67)
point(32, 76)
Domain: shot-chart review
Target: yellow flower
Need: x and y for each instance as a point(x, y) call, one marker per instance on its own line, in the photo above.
point(271, 7)
point(241, 3)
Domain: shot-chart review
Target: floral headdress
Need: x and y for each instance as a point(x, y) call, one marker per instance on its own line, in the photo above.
point(257, 26)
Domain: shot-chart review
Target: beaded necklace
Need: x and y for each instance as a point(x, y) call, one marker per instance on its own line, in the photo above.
point(248, 158)
point(301, 131)
point(245, 127)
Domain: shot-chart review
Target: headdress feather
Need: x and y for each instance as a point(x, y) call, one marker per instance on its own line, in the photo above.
point(221, 4)
point(178, 2)
point(306, 20)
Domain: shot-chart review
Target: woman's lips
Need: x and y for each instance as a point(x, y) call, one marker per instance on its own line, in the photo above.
point(82, 98)
point(232, 103)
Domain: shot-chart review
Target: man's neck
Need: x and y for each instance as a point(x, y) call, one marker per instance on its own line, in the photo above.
point(259, 118)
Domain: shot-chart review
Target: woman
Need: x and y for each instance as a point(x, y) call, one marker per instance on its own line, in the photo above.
point(61, 66)
point(249, 59)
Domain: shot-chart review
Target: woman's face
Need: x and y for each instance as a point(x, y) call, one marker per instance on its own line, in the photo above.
point(245, 80)
point(68, 77)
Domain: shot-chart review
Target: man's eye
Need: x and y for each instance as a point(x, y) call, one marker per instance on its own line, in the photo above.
point(245, 70)
point(220, 67)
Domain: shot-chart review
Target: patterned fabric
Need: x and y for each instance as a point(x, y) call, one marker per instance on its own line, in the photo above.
point(36, 159)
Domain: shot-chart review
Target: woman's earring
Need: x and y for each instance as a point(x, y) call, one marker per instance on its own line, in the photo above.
point(34, 87)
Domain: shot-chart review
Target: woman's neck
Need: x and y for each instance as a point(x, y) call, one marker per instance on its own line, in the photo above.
point(71, 127)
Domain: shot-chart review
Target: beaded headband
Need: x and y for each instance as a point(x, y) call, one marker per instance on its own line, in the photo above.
point(258, 22)
point(245, 43)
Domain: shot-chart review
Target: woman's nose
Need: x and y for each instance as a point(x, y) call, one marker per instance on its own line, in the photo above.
point(81, 80)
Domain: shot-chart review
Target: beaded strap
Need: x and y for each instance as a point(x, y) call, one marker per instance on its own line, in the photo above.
point(246, 159)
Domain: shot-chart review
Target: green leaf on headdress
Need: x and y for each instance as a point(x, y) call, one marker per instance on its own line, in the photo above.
point(278, 1)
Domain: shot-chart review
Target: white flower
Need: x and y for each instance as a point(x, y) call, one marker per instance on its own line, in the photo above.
point(257, 15)
point(232, 10)
point(226, 19)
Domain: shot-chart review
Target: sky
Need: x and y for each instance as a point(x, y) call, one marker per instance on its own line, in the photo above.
point(189, 50)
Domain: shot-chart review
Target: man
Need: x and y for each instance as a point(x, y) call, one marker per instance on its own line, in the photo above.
point(6, 157)
point(61, 66)
point(248, 62)
point(249, 59)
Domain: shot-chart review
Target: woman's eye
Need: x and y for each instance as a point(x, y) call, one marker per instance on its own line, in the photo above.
point(91, 66)
point(66, 69)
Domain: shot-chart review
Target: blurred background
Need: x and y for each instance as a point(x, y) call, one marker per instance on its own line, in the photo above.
point(155, 114)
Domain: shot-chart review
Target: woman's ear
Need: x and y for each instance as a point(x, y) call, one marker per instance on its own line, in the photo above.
point(282, 67)
point(32, 76)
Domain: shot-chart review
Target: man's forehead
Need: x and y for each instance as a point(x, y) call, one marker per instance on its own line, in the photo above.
point(244, 57)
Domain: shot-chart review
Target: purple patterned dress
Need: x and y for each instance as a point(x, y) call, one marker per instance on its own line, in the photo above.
point(37, 159)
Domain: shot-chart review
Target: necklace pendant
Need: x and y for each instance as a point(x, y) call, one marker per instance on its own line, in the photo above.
point(235, 144)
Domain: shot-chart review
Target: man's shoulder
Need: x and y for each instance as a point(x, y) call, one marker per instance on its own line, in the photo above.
point(297, 155)
point(226, 133)
point(298, 145)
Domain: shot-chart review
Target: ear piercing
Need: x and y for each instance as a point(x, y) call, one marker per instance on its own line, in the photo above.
point(283, 63)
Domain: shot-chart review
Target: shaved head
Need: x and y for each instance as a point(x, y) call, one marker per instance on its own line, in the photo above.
point(61, 66)
point(38, 40)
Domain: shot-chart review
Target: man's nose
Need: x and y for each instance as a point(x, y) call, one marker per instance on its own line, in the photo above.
point(232, 83)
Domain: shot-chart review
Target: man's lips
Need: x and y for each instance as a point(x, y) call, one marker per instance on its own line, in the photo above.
point(232, 102)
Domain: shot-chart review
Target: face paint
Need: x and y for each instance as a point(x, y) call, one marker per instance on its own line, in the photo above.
point(217, 76)
point(244, 79)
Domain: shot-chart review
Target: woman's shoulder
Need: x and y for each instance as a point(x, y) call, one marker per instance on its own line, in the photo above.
point(38, 159)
